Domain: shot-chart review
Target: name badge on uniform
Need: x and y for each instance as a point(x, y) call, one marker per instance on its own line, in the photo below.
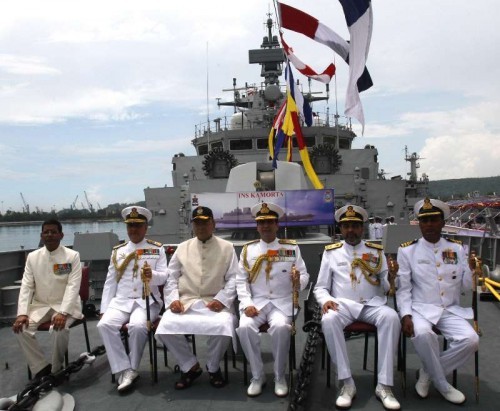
point(342, 263)
point(62, 269)
point(423, 262)
point(450, 256)
point(148, 253)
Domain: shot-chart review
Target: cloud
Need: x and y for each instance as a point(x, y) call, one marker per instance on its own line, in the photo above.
point(25, 65)
point(461, 143)
point(461, 156)
point(96, 90)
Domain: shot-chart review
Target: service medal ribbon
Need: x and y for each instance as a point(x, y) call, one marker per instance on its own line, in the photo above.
point(62, 269)
point(450, 257)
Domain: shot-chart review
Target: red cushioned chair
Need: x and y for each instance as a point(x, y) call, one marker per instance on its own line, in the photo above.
point(357, 327)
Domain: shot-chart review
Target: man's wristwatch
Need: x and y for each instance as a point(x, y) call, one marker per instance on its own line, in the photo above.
point(64, 313)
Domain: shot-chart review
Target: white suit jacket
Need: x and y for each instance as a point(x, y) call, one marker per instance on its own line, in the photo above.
point(277, 289)
point(431, 278)
point(51, 280)
point(124, 293)
point(335, 282)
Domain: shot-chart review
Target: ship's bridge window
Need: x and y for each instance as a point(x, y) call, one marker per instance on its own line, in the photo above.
point(310, 141)
point(345, 143)
point(329, 140)
point(241, 144)
point(216, 144)
point(203, 149)
point(262, 144)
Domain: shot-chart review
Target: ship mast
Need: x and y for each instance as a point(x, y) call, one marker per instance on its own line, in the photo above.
point(413, 160)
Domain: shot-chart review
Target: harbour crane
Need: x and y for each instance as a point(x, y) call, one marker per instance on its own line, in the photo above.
point(26, 206)
point(91, 207)
point(73, 205)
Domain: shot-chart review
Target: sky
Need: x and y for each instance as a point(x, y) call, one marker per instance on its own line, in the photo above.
point(97, 96)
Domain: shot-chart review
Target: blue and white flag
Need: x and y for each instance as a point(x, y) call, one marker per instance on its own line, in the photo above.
point(359, 18)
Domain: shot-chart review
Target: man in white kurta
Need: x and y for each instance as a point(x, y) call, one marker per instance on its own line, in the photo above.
point(433, 271)
point(49, 291)
point(123, 298)
point(264, 286)
point(352, 285)
point(199, 298)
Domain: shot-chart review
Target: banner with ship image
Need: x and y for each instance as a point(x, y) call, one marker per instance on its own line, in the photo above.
point(302, 207)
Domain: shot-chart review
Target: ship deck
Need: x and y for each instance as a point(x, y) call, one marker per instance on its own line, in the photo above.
point(93, 390)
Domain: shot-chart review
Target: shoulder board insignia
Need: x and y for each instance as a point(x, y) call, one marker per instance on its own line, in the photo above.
point(291, 242)
point(116, 247)
point(408, 243)
point(454, 241)
point(374, 245)
point(333, 246)
point(252, 242)
point(156, 243)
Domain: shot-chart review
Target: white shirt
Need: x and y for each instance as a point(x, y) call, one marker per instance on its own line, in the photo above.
point(275, 288)
point(431, 278)
point(336, 284)
point(121, 293)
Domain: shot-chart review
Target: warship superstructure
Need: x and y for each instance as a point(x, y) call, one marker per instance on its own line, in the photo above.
point(232, 155)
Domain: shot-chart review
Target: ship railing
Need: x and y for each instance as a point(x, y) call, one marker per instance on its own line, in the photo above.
point(224, 123)
point(482, 219)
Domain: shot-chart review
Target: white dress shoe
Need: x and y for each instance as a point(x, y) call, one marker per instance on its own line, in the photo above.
point(280, 387)
point(347, 393)
point(119, 380)
point(128, 378)
point(423, 383)
point(453, 395)
point(255, 387)
point(384, 394)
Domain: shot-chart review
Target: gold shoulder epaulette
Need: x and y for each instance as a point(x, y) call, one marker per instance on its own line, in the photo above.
point(156, 243)
point(454, 241)
point(252, 242)
point(374, 245)
point(291, 242)
point(333, 246)
point(408, 243)
point(116, 247)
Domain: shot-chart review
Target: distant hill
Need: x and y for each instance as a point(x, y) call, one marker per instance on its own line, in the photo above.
point(461, 187)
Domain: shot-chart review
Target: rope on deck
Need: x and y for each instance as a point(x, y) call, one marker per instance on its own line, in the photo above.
point(306, 367)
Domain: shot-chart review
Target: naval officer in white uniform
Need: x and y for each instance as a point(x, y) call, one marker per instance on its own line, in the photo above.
point(49, 291)
point(123, 300)
point(352, 285)
point(264, 286)
point(199, 297)
point(433, 271)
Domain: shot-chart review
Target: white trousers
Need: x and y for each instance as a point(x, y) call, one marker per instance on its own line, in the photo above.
point(463, 341)
point(279, 330)
point(388, 328)
point(109, 328)
point(32, 351)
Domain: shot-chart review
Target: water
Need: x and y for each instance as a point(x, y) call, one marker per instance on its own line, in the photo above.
point(27, 236)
